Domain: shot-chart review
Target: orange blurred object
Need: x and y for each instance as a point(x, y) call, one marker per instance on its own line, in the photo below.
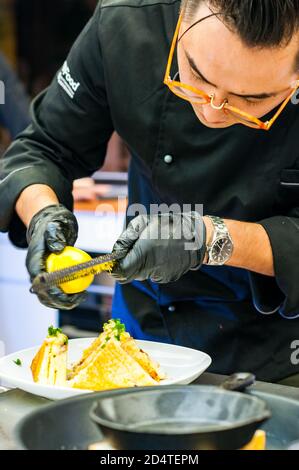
point(258, 442)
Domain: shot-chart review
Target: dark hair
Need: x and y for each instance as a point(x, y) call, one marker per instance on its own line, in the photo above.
point(259, 23)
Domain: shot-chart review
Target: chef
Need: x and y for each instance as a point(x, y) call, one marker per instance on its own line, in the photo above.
point(205, 95)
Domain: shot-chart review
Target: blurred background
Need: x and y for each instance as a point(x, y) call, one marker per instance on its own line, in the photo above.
point(35, 37)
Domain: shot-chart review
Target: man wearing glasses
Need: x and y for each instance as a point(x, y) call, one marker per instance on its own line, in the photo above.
point(221, 132)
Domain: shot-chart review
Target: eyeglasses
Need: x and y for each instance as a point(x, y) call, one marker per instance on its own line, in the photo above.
point(193, 95)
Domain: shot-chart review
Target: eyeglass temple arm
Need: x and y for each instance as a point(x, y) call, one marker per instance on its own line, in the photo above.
point(173, 45)
point(281, 108)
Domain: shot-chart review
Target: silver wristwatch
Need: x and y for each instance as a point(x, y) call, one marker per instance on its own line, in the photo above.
point(220, 248)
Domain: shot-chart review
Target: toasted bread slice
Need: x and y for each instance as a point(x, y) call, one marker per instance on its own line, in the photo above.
point(87, 355)
point(50, 363)
point(111, 367)
point(131, 347)
point(115, 329)
point(112, 328)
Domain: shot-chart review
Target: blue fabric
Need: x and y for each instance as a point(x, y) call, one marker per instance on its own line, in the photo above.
point(208, 303)
point(121, 310)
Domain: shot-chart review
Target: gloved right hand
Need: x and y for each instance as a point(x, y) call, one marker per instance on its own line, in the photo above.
point(50, 231)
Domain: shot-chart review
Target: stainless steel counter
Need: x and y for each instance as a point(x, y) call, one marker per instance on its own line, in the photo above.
point(15, 404)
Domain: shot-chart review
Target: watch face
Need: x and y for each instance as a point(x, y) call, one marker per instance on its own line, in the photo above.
point(222, 250)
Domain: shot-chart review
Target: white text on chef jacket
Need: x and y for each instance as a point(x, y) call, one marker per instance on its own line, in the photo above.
point(67, 82)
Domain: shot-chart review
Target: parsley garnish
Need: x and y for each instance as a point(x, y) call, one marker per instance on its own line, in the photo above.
point(119, 328)
point(18, 362)
point(114, 328)
point(53, 331)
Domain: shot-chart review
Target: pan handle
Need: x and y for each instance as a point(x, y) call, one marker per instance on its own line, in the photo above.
point(238, 382)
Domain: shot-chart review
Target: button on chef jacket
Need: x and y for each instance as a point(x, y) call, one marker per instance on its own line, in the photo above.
point(113, 80)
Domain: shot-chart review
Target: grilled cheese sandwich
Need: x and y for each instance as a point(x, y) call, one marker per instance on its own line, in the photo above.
point(113, 360)
point(49, 365)
point(111, 367)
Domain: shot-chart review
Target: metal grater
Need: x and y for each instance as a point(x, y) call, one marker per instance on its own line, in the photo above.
point(93, 267)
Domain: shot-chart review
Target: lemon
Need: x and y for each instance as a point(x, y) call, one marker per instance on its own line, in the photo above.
point(70, 256)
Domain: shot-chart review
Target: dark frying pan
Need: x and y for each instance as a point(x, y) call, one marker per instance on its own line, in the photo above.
point(180, 417)
point(195, 417)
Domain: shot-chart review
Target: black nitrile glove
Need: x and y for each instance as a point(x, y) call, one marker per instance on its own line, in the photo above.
point(161, 247)
point(50, 231)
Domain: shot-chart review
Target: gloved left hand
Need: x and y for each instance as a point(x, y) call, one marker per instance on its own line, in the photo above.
point(50, 231)
point(161, 247)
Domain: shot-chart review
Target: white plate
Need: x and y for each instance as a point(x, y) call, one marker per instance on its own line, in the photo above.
point(181, 365)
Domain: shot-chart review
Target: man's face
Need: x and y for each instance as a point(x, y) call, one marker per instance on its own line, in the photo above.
point(213, 59)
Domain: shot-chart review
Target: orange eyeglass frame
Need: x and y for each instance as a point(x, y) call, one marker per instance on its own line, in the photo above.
point(251, 121)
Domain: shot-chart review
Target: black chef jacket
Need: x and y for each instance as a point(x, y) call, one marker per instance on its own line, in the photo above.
point(113, 79)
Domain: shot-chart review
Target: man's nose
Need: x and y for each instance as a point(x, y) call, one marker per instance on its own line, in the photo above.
point(214, 112)
point(217, 102)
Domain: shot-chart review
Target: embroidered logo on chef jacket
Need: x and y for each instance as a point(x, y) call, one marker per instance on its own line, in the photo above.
point(67, 82)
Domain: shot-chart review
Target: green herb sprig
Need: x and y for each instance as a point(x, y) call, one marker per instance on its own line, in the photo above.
point(53, 331)
point(118, 329)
